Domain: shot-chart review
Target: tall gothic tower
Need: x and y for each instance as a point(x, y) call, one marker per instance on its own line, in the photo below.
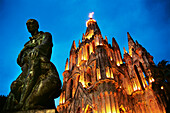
point(98, 80)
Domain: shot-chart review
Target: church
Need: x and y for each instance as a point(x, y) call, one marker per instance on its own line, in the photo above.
point(98, 80)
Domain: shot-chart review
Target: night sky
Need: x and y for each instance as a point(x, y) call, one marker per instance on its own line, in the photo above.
point(147, 21)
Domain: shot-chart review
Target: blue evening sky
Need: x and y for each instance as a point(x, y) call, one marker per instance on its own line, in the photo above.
point(148, 22)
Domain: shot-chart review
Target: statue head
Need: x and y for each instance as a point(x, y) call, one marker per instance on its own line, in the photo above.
point(32, 26)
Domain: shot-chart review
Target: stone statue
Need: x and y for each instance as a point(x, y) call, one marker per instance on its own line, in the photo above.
point(39, 83)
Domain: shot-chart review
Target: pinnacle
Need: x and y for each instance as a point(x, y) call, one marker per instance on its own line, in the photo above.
point(66, 66)
point(114, 43)
point(129, 37)
point(124, 50)
point(73, 45)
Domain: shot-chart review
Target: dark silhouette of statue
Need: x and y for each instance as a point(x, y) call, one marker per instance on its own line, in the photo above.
point(39, 83)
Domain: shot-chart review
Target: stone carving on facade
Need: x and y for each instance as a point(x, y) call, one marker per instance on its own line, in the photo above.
point(39, 83)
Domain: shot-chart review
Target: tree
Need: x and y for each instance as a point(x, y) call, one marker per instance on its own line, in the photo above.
point(161, 75)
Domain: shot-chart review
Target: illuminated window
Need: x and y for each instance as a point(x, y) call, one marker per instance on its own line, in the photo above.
point(144, 73)
point(93, 44)
point(89, 75)
point(88, 52)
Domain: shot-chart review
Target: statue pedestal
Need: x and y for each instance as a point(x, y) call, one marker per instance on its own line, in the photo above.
point(37, 111)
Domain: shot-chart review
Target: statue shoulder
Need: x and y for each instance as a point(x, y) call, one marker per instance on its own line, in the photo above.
point(47, 34)
point(26, 43)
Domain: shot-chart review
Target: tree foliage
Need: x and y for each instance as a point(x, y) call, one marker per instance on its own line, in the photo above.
point(161, 74)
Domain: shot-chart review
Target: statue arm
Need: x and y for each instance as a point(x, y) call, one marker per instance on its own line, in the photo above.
point(23, 53)
point(20, 57)
point(43, 48)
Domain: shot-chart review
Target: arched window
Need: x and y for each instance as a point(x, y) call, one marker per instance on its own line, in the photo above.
point(89, 75)
point(93, 44)
point(71, 88)
point(144, 73)
point(139, 78)
point(88, 51)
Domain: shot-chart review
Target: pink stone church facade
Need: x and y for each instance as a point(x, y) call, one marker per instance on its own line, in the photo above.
point(98, 80)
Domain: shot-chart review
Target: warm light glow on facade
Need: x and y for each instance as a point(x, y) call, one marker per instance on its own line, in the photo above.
point(144, 85)
point(130, 51)
point(111, 58)
point(135, 87)
point(63, 99)
point(138, 88)
point(82, 57)
point(150, 80)
point(107, 72)
point(122, 108)
point(111, 74)
point(162, 87)
point(100, 40)
point(66, 67)
point(90, 48)
point(153, 80)
point(90, 21)
point(108, 105)
point(90, 34)
point(83, 83)
point(121, 62)
point(118, 64)
point(98, 74)
point(96, 41)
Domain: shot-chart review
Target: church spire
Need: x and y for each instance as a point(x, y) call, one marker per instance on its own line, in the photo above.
point(114, 43)
point(131, 44)
point(73, 47)
point(130, 39)
point(92, 27)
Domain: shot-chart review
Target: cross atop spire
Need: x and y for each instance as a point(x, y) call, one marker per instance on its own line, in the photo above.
point(91, 20)
point(91, 15)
